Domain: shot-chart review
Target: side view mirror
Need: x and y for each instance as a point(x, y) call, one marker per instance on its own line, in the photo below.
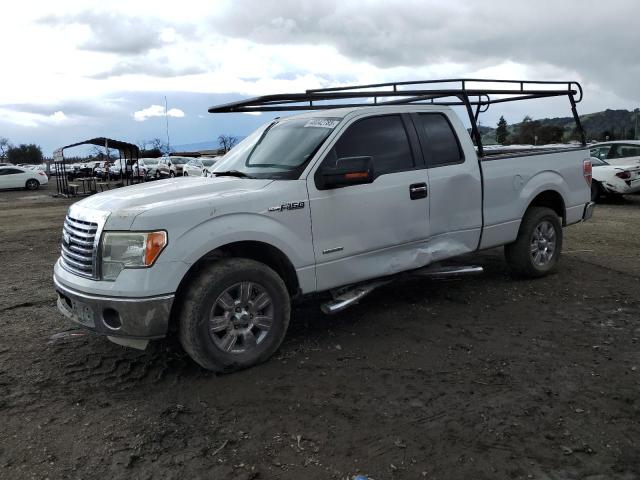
point(347, 171)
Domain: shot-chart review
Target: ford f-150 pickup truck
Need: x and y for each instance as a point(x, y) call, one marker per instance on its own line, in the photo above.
point(339, 199)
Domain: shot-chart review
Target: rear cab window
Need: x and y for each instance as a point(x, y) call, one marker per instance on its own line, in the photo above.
point(439, 142)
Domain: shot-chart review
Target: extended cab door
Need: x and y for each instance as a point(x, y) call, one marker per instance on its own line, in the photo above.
point(371, 230)
point(455, 184)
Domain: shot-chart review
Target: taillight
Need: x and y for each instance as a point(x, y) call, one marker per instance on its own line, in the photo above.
point(587, 171)
point(624, 175)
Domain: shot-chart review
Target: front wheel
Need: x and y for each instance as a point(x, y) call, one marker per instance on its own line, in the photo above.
point(171, 174)
point(235, 314)
point(32, 184)
point(536, 251)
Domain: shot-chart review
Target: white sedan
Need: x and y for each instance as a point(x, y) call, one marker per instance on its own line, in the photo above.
point(19, 177)
point(620, 178)
point(198, 167)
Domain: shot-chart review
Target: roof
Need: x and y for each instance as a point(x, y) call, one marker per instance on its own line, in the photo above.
point(128, 150)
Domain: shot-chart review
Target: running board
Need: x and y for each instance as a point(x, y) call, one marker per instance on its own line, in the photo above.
point(445, 272)
point(346, 297)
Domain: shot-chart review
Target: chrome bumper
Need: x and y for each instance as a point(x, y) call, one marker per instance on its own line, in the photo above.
point(118, 317)
point(588, 211)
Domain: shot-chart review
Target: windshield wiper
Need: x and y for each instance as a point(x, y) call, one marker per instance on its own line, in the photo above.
point(232, 173)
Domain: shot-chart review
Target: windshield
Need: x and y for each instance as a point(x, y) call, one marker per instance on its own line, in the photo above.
point(150, 161)
point(179, 160)
point(208, 163)
point(280, 149)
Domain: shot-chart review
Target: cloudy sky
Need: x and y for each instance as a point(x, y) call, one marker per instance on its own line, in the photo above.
point(77, 69)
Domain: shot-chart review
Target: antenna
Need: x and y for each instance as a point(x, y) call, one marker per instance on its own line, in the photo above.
point(166, 117)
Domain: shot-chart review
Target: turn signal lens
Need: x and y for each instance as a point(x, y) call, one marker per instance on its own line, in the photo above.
point(156, 241)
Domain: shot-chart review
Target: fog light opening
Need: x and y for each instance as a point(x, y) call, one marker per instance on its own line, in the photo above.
point(111, 318)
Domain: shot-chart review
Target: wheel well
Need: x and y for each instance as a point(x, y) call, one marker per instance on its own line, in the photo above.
point(550, 199)
point(258, 251)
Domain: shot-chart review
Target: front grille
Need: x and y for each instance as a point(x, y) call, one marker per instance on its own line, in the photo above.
point(78, 246)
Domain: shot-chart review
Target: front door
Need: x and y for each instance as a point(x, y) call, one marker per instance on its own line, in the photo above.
point(371, 230)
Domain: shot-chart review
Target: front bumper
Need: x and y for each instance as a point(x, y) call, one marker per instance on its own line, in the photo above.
point(588, 211)
point(119, 317)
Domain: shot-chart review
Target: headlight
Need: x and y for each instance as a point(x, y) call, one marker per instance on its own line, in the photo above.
point(122, 250)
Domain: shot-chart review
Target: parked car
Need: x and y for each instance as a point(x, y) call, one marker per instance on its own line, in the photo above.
point(80, 170)
point(165, 168)
point(179, 163)
point(208, 164)
point(622, 178)
point(5, 164)
point(339, 201)
point(619, 152)
point(151, 165)
point(20, 177)
point(193, 168)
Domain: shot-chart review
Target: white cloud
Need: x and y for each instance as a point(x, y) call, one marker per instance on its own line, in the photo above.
point(31, 119)
point(156, 111)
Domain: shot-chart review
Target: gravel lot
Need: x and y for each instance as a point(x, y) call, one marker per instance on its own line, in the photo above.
point(476, 378)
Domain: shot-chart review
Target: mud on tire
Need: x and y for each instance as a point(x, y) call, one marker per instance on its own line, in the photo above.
point(536, 251)
point(234, 297)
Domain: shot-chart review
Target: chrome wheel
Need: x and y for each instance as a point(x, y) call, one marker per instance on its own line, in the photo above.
point(543, 243)
point(241, 317)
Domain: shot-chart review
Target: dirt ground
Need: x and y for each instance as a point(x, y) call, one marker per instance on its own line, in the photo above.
point(478, 378)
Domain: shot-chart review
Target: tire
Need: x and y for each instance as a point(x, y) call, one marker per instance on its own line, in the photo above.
point(185, 174)
point(32, 184)
point(171, 174)
point(535, 232)
point(157, 175)
point(203, 309)
point(596, 191)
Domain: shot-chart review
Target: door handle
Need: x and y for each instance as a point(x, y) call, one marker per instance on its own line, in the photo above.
point(417, 190)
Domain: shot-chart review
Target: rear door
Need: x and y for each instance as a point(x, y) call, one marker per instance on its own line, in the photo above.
point(371, 230)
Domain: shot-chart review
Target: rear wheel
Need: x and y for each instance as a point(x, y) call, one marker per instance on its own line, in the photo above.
point(171, 174)
point(235, 315)
point(537, 248)
point(32, 184)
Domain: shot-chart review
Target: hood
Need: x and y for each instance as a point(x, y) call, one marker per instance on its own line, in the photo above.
point(127, 202)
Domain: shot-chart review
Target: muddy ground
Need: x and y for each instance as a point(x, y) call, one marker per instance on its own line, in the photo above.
point(478, 378)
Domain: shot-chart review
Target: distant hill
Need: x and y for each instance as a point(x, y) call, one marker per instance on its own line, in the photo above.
point(615, 124)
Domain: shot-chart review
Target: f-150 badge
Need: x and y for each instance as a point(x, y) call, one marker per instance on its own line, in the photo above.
point(287, 206)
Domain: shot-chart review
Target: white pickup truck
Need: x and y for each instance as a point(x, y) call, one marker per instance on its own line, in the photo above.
point(338, 200)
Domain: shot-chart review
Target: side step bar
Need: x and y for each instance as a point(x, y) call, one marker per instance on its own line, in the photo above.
point(446, 272)
point(348, 296)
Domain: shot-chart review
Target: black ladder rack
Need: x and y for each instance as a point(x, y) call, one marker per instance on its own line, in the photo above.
point(472, 93)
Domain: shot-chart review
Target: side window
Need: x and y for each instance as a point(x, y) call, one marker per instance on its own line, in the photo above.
point(12, 171)
point(384, 139)
point(439, 141)
point(625, 151)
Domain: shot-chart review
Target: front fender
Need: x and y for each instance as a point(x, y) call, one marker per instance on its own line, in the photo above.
point(295, 243)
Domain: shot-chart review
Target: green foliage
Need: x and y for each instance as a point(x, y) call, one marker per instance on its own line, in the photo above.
point(24, 153)
point(502, 132)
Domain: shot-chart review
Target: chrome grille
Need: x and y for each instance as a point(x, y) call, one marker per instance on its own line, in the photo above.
point(78, 246)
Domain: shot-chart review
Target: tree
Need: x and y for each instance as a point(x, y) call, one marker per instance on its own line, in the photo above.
point(502, 132)
point(227, 142)
point(4, 146)
point(30, 153)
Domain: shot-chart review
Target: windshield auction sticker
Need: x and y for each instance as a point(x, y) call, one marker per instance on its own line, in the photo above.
point(322, 123)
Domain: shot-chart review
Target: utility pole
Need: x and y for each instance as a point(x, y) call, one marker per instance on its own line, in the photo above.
point(635, 128)
point(166, 117)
